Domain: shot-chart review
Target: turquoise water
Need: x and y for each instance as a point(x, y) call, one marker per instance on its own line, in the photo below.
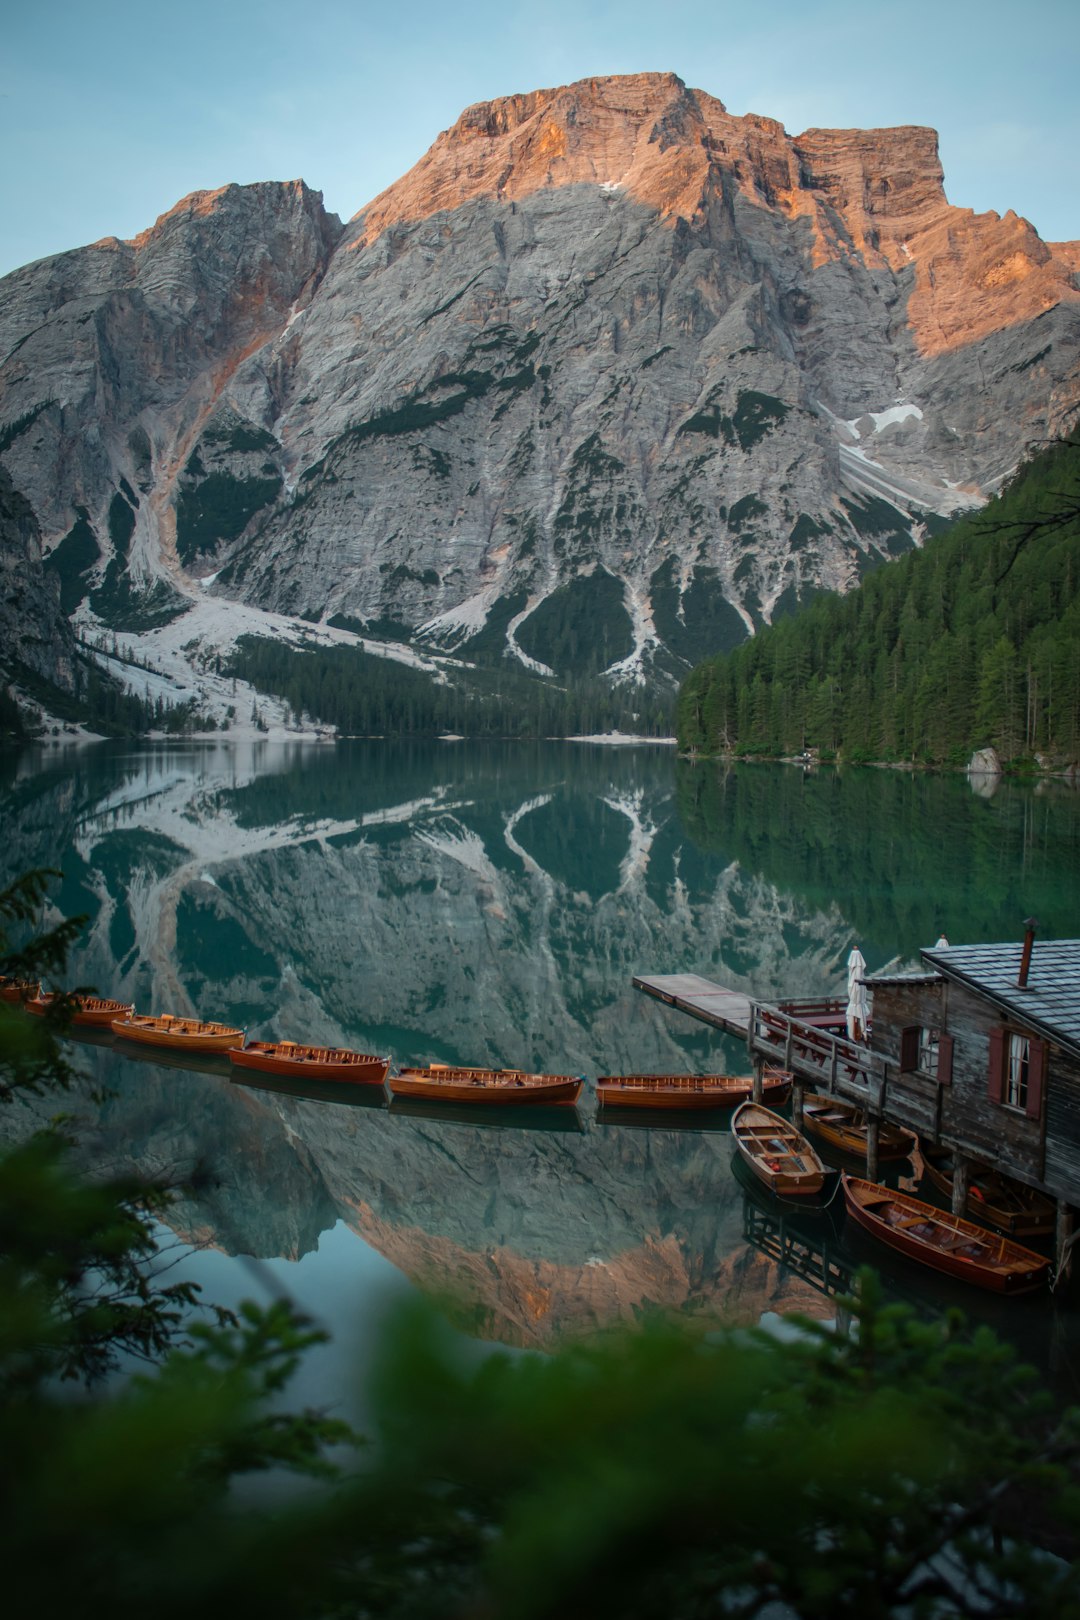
point(489, 905)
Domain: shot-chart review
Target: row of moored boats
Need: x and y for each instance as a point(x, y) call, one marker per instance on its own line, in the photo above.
point(777, 1153)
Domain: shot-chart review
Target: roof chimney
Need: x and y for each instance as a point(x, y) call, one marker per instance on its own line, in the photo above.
point(1030, 925)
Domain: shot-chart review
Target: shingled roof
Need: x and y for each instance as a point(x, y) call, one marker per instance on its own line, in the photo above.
point(1050, 1003)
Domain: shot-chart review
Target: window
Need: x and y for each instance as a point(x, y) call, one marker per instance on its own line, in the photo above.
point(926, 1051)
point(1017, 1070)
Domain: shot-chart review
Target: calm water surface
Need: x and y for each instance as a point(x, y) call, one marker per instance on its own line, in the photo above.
point(488, 905)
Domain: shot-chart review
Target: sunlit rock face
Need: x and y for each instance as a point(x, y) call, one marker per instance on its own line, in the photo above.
point(607, 355)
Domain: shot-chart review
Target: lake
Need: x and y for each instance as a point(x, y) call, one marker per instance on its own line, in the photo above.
point(489, 904)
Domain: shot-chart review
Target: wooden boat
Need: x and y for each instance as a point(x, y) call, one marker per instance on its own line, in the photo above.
point(945, 1242)
point(180, 1034)
point(87, 1012)
point(18, 991)
point(777, 1153)
point(843, 1125)
point(689, 1090)
point(290, 1060)
point(440, 1082)
point(993, 1199)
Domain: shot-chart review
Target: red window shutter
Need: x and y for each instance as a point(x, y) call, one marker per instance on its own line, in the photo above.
point(996, 1086)
point(1036, 1075)
point(909, 1049)
point(944, 1060)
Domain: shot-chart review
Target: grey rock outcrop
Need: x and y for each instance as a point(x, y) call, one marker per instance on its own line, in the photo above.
point(984, 762)
point(611, 377)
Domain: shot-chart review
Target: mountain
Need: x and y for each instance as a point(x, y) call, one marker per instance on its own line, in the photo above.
point(608, 380)
point(970, 644)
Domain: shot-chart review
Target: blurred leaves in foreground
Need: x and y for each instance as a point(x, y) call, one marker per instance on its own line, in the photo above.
point(886, 1468)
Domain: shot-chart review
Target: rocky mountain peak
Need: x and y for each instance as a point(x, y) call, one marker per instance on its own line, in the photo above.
point(607, 380)
point(613, 132)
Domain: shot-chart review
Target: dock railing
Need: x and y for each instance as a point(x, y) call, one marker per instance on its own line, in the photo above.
point(824, 1061)
point(834, 1064)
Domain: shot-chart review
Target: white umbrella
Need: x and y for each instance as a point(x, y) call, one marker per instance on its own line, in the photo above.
point(858, 1012)
point(856, 967)
point(858, 1007)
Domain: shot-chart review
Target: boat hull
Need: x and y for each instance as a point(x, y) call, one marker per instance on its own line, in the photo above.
point(692, 1092)
point(178, 1034)
point(87, 1012)
point(508, 1087)
point(19, 991)
point(842, 1126)
point(776, 1153)
point(946, 1243)
point(289, 1061)
point(991, 1202)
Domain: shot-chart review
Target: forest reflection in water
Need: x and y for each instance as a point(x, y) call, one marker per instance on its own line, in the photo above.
point(490, 905)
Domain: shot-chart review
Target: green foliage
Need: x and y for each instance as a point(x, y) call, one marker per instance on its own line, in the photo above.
point(919, 852)
point(445, 397)
point(893, 1469)
point(755, 415)
point(102, 705)
point(581, 628)
point(697, 620)
point(675, 1475)
point(115, 1497)
point(218, 508)
point(746, 509)
point(969, 642)
point(122, 606)
point(595, 502)
point(365, 695)
point(72, 559)
point(121, 524)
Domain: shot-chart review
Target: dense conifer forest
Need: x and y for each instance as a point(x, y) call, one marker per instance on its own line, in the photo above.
point(971, 642)
point(365, 695)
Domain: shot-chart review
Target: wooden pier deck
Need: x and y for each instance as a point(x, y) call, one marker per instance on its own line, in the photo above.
point(701, 998)
point(809, 1038)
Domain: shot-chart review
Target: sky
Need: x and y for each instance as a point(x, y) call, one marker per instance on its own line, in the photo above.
point(111, 112)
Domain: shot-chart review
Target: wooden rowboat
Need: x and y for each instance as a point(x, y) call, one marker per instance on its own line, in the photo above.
point(777, 1153)
point(18, 990)
point(993, 1199)
point(844, 1125)
point(945, 1242)
point(88, 1012)
point(290, 1060)
point(440, 1082)
point(180, 1034)
point(688, 1090)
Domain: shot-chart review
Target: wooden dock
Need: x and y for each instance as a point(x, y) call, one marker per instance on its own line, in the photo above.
point(700, 998)
point(807, 1037)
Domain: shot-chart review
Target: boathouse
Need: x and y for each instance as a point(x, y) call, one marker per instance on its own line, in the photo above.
point(984, 1046)
point(978, 1052)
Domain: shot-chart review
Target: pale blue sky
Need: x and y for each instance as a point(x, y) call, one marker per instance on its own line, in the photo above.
point(111, 112)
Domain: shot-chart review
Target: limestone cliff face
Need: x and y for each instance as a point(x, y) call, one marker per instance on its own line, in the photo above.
point(35, 636)
point(607, 353)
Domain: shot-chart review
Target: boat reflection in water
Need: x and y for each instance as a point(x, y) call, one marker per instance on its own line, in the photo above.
point(557, 1118)
point(321, 1091)
point(167, 1057)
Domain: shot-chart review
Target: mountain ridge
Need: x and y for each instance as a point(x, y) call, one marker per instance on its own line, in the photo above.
point(606, 355)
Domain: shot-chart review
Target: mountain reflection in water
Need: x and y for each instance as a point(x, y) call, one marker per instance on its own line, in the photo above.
point(489, 905)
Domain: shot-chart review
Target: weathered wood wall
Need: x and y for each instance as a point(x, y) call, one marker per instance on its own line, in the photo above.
point(1044, 1151)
